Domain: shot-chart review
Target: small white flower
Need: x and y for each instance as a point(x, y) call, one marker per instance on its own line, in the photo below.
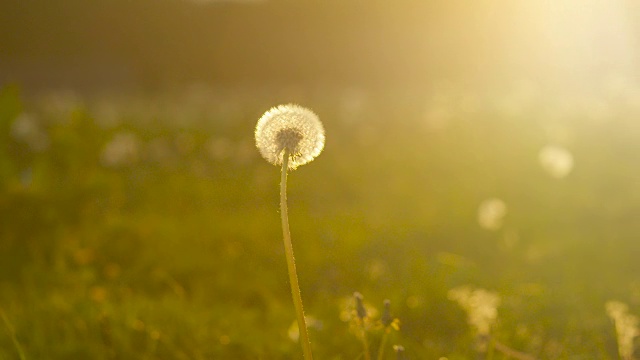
point(290, 127)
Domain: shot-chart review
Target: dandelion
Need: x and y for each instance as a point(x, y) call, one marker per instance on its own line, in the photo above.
point(293, 129)
point(626, 327)
point(491, 213)
point(290, 136)
point(361, 313)
point(556, 160)
point(389, 323)
point(481, 308)
point(360, 309)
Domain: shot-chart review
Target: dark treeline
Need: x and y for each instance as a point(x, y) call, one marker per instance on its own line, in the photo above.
point(156, 43)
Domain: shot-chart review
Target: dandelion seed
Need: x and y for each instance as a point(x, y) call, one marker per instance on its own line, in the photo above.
point(556, 160)
point(491, 213)
point(290, 127)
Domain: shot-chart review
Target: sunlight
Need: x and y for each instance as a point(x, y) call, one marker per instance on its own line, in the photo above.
point(579, 41)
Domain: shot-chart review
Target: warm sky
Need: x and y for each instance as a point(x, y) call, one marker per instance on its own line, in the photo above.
point(567, 43)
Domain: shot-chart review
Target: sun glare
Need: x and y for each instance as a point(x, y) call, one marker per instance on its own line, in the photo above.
point(578, 40)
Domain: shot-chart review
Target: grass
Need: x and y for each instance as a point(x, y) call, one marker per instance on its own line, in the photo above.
point(174, 250)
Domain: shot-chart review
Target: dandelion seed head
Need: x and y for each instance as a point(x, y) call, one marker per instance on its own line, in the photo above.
point(479, 304)
point(556, 160)
point(626, 327)
point(491, 213)
point(291, 127)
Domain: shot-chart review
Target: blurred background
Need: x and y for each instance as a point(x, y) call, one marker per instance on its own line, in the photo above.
point(492, 143)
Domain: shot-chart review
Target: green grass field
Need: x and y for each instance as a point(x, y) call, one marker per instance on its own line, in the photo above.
point(147, 227)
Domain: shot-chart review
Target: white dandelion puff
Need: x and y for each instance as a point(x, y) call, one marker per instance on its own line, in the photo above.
point(556, 160)
point(626, 327)
point(479, 304)
point(293, 128)
point(491, 213)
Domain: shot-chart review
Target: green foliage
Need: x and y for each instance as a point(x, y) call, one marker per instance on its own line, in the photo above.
point(171, 248)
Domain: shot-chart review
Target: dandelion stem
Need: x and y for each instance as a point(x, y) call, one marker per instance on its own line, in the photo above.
point(383, 344)
point(365, 343)
point(509, 352)
point(291, 263)
point(12, 333)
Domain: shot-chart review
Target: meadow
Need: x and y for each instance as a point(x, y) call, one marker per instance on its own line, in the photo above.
point(146, 226)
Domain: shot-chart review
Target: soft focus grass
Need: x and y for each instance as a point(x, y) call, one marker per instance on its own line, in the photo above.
point(176, 252)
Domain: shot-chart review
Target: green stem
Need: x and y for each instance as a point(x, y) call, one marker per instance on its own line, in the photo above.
point(365, 343)
point(291, 262)
point(509, 352)
point(12, 334)
point(383, 343)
